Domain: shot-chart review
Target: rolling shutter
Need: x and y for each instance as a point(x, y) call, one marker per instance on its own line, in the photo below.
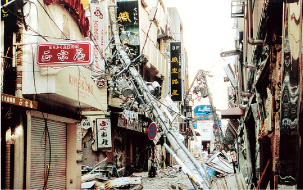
point(40, 154)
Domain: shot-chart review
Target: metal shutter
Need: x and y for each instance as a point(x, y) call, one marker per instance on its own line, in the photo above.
point(40, 154)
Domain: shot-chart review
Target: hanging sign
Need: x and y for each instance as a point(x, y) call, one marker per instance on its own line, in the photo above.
point(128, 16)
point(64, 53)
point(104, 133)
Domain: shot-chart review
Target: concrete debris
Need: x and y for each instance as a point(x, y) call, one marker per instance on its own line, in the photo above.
point(88, 185)
point(169, 178)
point(220, 163)
point(167, 173)
point(92, 172)
point(88, 177)
point(123, 182)
point(231, 181)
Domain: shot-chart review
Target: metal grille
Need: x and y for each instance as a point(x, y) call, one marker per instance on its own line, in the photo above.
point(40, 154)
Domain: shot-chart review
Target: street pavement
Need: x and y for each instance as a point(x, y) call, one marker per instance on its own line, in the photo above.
point(165, 179)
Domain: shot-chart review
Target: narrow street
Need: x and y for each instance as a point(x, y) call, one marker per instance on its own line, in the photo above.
point(96, 94)
point(164, 180)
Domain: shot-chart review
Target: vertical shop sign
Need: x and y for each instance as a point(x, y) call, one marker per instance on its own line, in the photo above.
point(128, 16)
point(104, 133)
point(98, 21)
point(175, 62)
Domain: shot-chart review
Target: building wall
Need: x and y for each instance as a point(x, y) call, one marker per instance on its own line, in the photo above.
point(91, 157)
point(155, 49)
point(73, 170)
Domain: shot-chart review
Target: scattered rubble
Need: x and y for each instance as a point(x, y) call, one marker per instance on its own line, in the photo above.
point(220, 169)
point(125, 182)
point(168, 178)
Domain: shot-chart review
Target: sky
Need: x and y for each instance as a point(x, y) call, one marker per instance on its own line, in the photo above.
point(207, 31)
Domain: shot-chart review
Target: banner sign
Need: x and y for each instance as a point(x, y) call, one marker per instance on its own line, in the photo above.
point(169, 107)
point(98, 24)
point(175, 62)
point(64, 53)
point(128, 16)
point(104, 139)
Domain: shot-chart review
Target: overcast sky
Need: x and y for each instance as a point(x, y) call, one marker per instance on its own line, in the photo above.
point(207, 27)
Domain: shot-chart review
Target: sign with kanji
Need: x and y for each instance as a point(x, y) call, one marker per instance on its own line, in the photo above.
point(128, 16)
point(104, 135)
point(176, 78)
point(64, 53)
point(5, 98)
point(98, 20)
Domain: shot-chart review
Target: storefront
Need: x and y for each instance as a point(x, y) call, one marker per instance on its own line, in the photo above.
point(61, 82)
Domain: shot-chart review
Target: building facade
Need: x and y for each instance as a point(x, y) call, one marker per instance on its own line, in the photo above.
point(57, 114)
point(265, 109)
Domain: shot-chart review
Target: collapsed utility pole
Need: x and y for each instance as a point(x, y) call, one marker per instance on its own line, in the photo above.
point(125, 67)
point(202, 87)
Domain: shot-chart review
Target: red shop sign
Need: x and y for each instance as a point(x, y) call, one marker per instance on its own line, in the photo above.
point(65, 53)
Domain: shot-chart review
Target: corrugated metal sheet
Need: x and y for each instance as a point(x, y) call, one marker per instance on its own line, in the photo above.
point(40, 152)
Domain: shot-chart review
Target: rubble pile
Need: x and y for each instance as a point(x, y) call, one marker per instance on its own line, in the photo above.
point(101, 177)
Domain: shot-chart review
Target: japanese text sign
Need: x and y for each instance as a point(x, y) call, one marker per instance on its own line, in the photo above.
point(98, 20)
point(175, 62)
point(19, 101)
point(64, 53)
point(127, 12)
point(104, 135)
point(128, 16)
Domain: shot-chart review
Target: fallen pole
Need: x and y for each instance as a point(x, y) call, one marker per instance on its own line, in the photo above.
point(183, 154)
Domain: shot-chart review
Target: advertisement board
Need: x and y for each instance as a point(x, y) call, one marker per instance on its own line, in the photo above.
point(128, 16)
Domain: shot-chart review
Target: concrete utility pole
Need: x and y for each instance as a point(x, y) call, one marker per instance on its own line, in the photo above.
point(197, 175)
point(217, 129)
point(203, 88)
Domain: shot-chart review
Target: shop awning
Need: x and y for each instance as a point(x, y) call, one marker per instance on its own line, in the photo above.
point(232, 113)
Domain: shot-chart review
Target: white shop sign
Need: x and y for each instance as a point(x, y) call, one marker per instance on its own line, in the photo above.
point(104, 135)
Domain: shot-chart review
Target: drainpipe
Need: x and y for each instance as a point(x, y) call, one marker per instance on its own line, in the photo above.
point(250, 39)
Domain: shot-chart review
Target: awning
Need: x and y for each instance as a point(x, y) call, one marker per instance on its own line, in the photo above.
point(232, 113)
